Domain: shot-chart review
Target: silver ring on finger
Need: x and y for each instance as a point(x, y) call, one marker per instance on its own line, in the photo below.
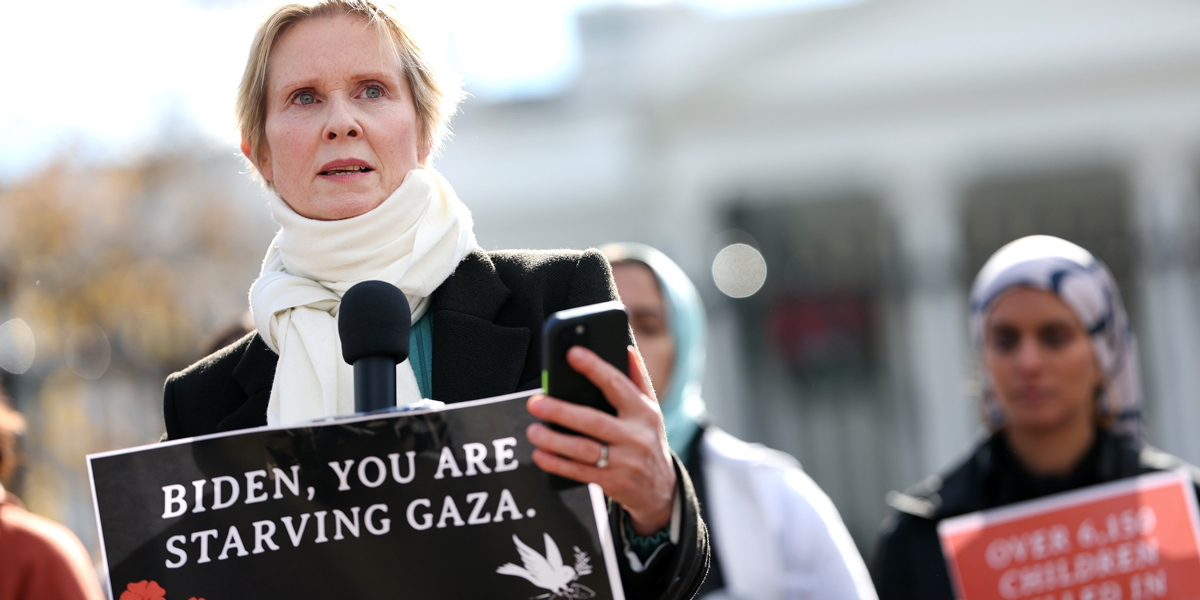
point(603, 460)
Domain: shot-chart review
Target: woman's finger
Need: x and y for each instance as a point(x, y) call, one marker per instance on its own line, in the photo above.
point(571, 469)
point(576, 417)
point(615, 385)
point(575, 447)
point(638, 373)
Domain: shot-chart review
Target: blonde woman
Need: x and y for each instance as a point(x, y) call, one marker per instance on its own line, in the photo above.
point(340, 114)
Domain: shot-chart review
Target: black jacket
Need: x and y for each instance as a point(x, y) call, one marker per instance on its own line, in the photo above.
point(486, 321)
point(908, 561)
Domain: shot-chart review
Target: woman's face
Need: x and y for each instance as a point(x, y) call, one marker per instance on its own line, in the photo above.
point(341, 130)
point(643, 299)
point(1040, 361)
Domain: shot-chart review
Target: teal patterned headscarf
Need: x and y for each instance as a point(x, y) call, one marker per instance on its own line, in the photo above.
point(682, 406)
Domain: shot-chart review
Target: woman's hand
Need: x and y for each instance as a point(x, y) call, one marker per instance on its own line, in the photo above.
point(640, 475)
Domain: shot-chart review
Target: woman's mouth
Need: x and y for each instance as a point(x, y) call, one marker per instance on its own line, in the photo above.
point(347, 170)
point(1033, 395)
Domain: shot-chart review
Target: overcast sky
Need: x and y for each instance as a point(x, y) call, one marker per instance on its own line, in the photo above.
point(104, 77)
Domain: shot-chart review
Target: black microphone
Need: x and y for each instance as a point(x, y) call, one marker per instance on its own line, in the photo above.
point(374, 322)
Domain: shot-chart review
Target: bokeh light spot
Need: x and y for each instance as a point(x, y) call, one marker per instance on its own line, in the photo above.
point(17, 346)
point(739, 270)
point(88, 352)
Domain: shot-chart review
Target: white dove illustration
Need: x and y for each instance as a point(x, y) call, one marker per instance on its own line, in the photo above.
point(547, 572)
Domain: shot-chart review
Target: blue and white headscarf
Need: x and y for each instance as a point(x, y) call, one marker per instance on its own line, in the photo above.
point(683, 408)
point(1086, 286)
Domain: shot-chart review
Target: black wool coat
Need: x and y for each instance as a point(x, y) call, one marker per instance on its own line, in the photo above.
point(908, 563)
point(486, 321)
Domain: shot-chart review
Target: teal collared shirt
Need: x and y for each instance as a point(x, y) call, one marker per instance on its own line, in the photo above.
point(420, 354)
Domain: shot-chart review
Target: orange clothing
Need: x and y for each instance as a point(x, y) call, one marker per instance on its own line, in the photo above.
point(40, 559)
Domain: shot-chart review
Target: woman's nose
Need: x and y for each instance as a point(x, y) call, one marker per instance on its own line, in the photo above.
point(341, 122)
point(1029, 356)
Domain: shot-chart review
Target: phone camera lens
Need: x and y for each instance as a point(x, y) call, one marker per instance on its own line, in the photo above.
point(579, 329)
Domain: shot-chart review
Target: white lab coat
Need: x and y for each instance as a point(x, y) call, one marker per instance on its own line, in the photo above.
point(777, 535)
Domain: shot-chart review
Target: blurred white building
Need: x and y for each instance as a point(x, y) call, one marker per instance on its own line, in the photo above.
point(876, 153)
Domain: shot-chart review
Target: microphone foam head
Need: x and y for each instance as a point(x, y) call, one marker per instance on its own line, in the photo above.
point(374, 320)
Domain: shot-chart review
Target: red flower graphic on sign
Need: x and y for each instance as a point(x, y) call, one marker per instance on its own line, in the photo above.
point(144, 590)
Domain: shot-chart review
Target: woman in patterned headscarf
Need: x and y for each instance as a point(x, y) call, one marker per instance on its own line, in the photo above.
point(1084, 285)
point(1061, 399)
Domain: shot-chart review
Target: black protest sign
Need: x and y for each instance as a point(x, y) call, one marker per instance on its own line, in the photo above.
point(437, 504)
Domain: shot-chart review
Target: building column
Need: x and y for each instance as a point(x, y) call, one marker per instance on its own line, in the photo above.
point(925, 209)
point(1166, 217)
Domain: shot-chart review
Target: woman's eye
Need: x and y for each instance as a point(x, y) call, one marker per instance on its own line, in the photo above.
point(652, 329)
point(1005, 341)
point(1055, 337)
point(372, 92)
point(649, 326)
point(305, 98)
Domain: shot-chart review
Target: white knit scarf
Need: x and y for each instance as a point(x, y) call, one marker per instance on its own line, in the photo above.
point(414, 239)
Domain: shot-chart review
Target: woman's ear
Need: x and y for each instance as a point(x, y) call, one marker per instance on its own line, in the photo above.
point(1106, 406)
point(246, 149)
point(423, 153)
point(264, 168)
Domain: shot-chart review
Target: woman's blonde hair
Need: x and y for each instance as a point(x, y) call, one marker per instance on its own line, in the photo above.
point(436, 95)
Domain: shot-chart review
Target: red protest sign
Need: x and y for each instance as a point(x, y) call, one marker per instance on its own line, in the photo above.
point(1133, 539)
